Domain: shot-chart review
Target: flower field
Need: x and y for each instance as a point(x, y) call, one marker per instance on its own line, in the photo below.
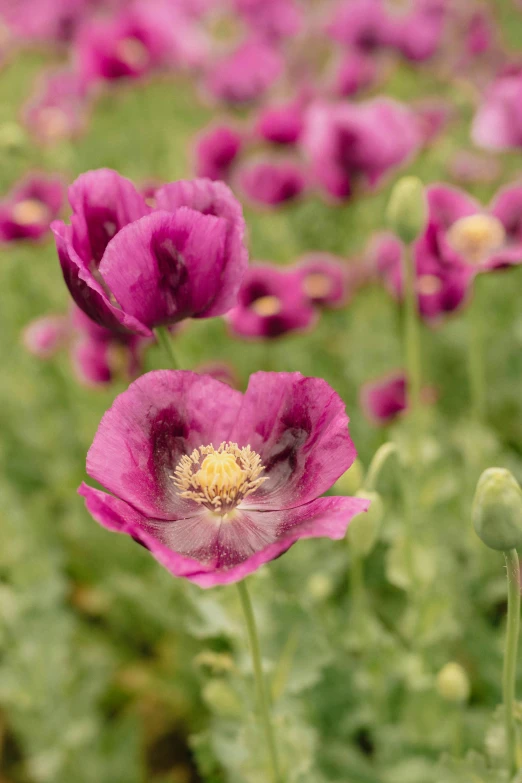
point(225, 227)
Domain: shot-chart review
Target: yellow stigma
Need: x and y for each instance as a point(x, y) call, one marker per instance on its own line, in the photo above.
point(266, 305)
point(429, 284)
point(219, 478)
point(476, 236)
point(317, 285)
point(132, 52)
point(30, 211)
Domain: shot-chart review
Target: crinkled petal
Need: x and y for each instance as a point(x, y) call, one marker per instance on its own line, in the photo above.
point(168, 266)
point(141, 438)
point(86, 290)
point(299, 427)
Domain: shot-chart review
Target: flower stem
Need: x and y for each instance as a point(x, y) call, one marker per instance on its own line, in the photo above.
point(376, 465)
point(163, 338)
point(262, 693)
point(477, 384)
point(510, 656)
point(412, 338)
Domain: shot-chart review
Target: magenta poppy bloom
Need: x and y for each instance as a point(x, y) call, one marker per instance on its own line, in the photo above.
point(272, 19)
point(215, 483)
point(271, 302)
point(441, 288)
point(463, 233)
point(44, 336)
point(44, 20)
point(498, 123)
point(270, 182)
point(419, 33)
point(245, 74)
point(356, 71)
point(324, 279)
point(281, 123)
point(349, 143)
point(385, 399)
point(28, 210)
point(362, 24)
point(131, 268)
point(58, 108)
point(217, 148)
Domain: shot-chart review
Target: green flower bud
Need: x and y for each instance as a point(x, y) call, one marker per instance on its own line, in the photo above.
point(350, 481)
point(407, 211)
point(453, 683)
point(364, 528)
point(497, 510)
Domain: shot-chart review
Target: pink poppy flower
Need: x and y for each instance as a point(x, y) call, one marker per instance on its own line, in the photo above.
point(271, 19)
point(463, 233)
point(385, 399)
point(271, 302)
point(354, 73)
point(44, 336)
point(441, 288)
point(217, 148)
point(131, 268)
point(362, 24)
point(498, 123)
point(418, 34)
point(44, 20)
point(281, 123)
point(245, 74)
point(28, 210)
point(272, 182)
point(215, 483)
point(349, 143)
point(58, 108)
point(324, 279)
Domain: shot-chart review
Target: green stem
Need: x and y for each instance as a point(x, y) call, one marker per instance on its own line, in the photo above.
point(476, 374)
point(357, 588)
point(262, 694)
point(376, 465)
point(412, 338)
point(163, 338)
point(510, 656)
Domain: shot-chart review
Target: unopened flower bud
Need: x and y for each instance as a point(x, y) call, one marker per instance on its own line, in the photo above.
point(350, 481)
point(497, 510)
point(407, 209)
point(364, 528)
point(453, 683)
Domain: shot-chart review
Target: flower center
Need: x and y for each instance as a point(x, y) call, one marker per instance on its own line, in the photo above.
point(476, 236)
point(428, 285)
point(266, 305)
point(132, 52)
point(219, 478)
point(30, 211)
point(317, 285)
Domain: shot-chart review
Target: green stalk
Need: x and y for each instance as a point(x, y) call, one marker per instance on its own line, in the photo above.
point(262, 693)
point(412, 342)
point(163, 338)
point(476, 374)
point(510, 657)
point(376, 465)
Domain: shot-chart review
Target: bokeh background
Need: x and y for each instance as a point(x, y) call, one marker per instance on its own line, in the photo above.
point(113, 672)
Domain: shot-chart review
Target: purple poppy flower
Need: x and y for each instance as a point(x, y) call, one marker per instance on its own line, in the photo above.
point(272, 182)
point(28, 210)
point(44, 20)
point(462, 233)
point(441, 288)
point(271, 303)
point(44, 336)
point(418, 34)
point(386, 398)
point(271, 19)
point(347, 143)
point(354, 73)
point(215, 483)
point(245, 74)
point(216, 151)
point(281, 123)
point(362, 24)
point(130, 268)
point(498, 122)
point(58, 108)
point(324, 279)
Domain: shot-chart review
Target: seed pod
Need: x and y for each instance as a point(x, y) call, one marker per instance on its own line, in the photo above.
point(407, 211)
point(497, 510)
point(453, 683)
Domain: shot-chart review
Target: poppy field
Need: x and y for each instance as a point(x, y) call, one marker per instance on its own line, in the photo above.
point(260, 399)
